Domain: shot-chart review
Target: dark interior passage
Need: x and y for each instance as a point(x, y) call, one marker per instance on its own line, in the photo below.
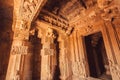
point(57, 69)
point(36, 57)
point(96, 55)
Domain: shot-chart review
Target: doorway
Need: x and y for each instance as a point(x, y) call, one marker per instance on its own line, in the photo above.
point(97, 57)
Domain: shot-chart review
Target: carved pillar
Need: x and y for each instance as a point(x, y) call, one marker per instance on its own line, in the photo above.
point(79, 62)
point(63, 58)
point(83, 56)
point(25, 11)
point(114, 65)
point(111, 36)
point(19, 47)
point(48, 55)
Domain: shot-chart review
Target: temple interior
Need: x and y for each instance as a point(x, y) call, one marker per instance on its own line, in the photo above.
point(59, 39)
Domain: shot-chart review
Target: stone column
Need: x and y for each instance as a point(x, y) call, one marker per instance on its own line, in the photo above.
point(79, 63)
point(48, 55)
point(24, 11)
point(111, 36)
point(19, 48)
point(63, 58)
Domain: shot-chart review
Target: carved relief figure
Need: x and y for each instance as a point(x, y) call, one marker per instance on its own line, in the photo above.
point(50, 36)
point(69, 30)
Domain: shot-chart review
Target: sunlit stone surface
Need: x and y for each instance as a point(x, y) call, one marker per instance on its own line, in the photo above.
point(59, 40)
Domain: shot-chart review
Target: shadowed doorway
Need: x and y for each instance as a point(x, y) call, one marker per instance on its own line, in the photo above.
point(97, 57)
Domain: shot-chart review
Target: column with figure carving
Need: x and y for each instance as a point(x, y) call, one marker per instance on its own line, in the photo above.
point(48, 55)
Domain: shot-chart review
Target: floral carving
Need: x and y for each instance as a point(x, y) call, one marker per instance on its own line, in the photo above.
point(29, 7)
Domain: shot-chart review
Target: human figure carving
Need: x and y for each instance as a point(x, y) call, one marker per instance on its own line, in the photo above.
point(50, 36)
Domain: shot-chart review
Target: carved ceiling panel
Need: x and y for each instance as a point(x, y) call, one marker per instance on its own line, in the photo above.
point(68, 9)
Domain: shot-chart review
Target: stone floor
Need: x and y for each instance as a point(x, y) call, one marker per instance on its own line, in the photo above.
point(103, 77)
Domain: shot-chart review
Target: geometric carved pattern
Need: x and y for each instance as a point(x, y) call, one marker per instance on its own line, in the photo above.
point(19, 50)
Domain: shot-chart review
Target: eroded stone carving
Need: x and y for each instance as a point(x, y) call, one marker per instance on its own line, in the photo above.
point(19, 50)
point(29, 8)
point(50, 36)
point(69, 30)
point(115, 69)
point(111, 12)
point(50, 33)
point(103, 3)
point(79, 68)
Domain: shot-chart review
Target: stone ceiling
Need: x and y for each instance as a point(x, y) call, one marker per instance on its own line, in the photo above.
point(68, 9)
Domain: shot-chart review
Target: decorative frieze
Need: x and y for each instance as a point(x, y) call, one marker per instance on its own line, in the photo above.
point(56, 21)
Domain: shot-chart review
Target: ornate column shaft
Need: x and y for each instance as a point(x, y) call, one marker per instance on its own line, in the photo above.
point(63, 59)
point(111, 20)
point(48, 55)
point(25, 11)
point(19, 48)
point(79, 67)
point(114, 41)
